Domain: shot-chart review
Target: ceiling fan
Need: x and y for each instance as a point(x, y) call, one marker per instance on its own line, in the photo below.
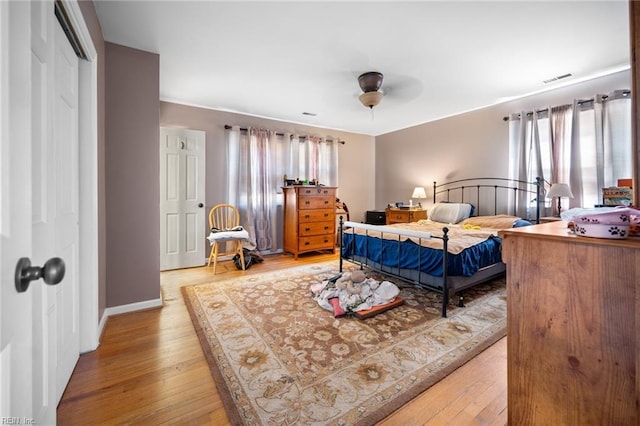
point(370, 83)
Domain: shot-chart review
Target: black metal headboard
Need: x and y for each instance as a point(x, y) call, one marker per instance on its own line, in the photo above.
point(479, 191)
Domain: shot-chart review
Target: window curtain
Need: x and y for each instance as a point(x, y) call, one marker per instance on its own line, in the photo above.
point(257, 161)
point(525, 159)
point(586, 144)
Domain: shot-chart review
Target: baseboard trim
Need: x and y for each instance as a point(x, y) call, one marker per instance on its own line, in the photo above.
point(132, 307)
point(123, 309)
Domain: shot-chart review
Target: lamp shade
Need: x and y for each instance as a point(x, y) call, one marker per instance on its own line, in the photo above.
point(419, 192)
point(559, 190)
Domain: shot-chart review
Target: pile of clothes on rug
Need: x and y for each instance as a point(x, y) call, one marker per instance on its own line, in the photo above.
point(351, 292)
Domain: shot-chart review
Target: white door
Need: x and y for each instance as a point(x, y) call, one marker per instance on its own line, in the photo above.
point(62, 188)
point(38, 210)
point(182, 196)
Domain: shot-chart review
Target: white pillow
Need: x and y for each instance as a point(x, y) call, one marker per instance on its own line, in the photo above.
point(450, 212)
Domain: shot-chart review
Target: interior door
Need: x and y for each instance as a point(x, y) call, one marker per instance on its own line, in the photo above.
point(62, 189)
point(182, 195)
point(38, 209)
point(17, 395)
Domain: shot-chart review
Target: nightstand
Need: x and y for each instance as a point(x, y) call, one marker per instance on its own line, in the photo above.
point(405, 215)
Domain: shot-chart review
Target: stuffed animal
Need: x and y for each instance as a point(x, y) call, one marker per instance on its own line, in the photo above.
point(351, 281)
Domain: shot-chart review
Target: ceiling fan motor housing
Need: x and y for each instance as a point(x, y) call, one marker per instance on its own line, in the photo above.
point(370, 81)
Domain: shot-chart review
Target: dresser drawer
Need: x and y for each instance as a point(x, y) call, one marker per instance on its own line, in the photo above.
point(316, 228)
point(316, 242)
point(405, 216)
point(312, 202)
point(315, 215)
point(397, 216)
point(317, 192)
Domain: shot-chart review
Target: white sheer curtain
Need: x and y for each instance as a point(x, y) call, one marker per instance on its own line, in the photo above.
point(586, 144)
point(258, 160)
point(526, 161)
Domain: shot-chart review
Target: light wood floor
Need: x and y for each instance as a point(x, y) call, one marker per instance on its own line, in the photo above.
point(149, 369)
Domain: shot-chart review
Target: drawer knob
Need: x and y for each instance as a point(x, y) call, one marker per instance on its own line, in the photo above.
point(326, 227)
point(306, 243)
point(306, 202)
point(306, 216)
point(307, 229)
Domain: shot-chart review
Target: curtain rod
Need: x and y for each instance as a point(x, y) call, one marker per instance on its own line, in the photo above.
point(618, 94)
point(244, 129)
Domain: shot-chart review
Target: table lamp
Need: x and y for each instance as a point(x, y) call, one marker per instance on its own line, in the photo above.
point(559, 190)
point(418, 192)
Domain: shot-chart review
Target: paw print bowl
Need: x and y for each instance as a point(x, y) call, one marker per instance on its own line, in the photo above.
point(618, 216)
point(602, 230)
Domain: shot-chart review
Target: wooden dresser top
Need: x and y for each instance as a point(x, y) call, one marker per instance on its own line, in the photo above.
point(559, 231)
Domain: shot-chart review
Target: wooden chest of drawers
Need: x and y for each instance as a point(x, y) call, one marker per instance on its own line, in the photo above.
point(309, 219)
point(405, 215)
point(572, 327)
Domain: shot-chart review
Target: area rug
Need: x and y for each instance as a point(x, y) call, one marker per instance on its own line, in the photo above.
point(279, 358)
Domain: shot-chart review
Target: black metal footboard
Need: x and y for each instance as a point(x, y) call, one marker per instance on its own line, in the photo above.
point(437, 284)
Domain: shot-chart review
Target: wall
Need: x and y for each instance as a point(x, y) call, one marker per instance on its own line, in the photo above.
point(474, 144)
point(91, 19)
point(356, 173)
point(132, 175)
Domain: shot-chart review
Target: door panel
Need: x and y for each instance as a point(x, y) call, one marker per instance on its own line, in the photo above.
point(64, 223)
point(23, 356)
point(38, 209)
point(182, 190)
point(44, 321)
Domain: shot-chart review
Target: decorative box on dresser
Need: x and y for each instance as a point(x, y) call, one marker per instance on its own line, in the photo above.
point(405, 215)
point(573, 327)
point(309, 218)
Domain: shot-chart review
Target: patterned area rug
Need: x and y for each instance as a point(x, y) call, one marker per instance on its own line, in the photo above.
point(278, 358)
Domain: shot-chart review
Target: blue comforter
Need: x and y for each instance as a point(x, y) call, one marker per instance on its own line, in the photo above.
point(409, 255)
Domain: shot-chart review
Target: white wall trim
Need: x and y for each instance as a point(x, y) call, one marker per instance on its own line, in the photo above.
point(76, 20)
point(133, 307)
point(88, 178)
point(124, 309)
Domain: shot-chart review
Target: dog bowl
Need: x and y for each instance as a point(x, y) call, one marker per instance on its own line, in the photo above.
point(616, 216)
point(602, 230)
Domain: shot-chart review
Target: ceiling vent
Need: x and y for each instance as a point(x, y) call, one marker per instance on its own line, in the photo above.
point(560, 77)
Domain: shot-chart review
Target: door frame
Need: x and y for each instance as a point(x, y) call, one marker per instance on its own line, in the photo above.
point(90, 324)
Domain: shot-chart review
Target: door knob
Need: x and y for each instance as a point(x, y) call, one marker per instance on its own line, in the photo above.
point(200, 205)
point(52, 272)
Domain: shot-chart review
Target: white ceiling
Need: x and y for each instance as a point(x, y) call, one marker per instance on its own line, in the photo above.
point(280, 59)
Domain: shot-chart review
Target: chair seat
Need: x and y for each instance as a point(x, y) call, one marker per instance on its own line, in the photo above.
point(228, 236)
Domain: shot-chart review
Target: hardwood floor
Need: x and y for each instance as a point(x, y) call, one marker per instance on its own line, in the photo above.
point(149, 369)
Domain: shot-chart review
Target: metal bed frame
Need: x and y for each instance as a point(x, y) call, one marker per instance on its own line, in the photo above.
point(446, 283)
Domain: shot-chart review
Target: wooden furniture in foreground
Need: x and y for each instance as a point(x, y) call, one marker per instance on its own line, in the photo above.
point(309, 218)
point(572, 333)
point(405, 215)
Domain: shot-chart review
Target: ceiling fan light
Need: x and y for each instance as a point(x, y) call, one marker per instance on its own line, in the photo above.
point(370, 99)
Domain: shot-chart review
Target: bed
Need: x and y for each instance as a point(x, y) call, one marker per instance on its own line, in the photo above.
point(457, 247)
